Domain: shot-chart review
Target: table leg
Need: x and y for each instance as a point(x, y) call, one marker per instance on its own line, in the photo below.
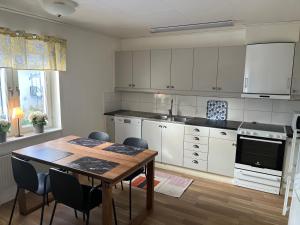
point(106, 204)
point(150, 185)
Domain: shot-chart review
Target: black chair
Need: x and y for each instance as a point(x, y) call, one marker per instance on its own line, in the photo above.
point(27, 178)
point(68, 191)
point(138, 143)
point(100, 136)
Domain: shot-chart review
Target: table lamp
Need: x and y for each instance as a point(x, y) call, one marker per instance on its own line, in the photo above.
point(18, 114)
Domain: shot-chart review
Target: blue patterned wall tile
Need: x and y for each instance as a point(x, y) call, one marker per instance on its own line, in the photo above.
point(217, 110)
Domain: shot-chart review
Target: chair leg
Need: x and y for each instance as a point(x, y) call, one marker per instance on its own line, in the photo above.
point(122, 186)
point(130, 200)
point(48, 199)
point(115, 213)
point(53, 212)
point(14, 206)
point(83, 214)
point(43, 207)
point(92, 182)
point(75, 211)
point(87, 218)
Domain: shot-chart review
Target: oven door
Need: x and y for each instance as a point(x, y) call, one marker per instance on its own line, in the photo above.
point(260, 152)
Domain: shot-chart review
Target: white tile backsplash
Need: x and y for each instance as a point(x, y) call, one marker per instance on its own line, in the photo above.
point(259, 110)
point(257, 116)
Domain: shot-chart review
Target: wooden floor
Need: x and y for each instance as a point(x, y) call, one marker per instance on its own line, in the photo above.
point(206, 202)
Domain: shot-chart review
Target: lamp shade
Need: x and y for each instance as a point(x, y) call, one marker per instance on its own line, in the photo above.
point(17, 113)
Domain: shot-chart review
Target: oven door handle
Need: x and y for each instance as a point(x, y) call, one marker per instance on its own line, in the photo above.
point(261, 140)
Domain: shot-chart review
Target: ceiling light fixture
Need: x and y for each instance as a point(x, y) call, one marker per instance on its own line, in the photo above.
point(226, 23)
point(59, 7)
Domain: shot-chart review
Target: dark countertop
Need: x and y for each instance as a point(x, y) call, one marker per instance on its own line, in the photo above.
point(195, 121)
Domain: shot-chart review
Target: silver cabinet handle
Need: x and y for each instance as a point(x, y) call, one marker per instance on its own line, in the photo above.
point(172, 86)
point(196, 146)
point(223, 133)
point(246, 82)
point(195, 161)
point(133, 85)
point(196, 130)
point(219, 88)
point(130, 85)
point(196, 138)
point(233, 144)
point(160, 126)
point(214, 88)
point(168, 86)
point(195, 154)
point(288, 83)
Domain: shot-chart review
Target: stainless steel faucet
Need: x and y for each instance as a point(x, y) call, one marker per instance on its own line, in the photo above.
point(171, 110)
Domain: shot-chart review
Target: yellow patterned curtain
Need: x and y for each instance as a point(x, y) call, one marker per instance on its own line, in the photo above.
point(19, 50)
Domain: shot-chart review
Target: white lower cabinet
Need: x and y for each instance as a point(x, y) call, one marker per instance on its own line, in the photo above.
point(221, 156)
point(166, 139)
point(172, 143)
point(151, 132)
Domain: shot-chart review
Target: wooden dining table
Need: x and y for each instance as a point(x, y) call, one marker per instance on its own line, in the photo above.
point(64, 153)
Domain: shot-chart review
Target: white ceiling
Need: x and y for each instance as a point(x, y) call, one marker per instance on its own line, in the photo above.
point(133, 18)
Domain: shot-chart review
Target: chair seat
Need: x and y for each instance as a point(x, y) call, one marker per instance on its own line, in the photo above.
point(96, 197)
point(41, 180)
point(134, 174)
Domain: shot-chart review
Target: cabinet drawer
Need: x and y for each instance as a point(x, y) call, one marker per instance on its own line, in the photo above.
point(223, 134)
point(195, 164)
point(195, 155)
point(195, 147)
point(194, 130)
point(196, 139)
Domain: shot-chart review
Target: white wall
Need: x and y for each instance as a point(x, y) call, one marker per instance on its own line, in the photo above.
point(238, 35)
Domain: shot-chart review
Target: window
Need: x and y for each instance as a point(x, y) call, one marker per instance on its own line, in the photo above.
point(33, 90)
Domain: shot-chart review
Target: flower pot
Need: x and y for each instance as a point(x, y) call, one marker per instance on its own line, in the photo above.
point(38, 128)
point(3, 136)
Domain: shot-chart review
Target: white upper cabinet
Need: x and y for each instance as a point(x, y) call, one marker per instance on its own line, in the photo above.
point(182, 69)
point(160, 69)
point(296, 71)
point(231, 66)
point(123, 62)
point(205, 69)
point(141, 69)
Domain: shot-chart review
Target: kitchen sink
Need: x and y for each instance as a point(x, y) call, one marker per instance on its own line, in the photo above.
point(181, 119)
point(161, 117)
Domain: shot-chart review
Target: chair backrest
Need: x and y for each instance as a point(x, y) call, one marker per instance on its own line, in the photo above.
point(66, 189)
point(24, 174)
point(100, 136)
point(136, 142)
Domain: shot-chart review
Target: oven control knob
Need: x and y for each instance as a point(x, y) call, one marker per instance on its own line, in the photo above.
point(254, 133)
point(270, 135)
point(248, 133)
point(279, 137)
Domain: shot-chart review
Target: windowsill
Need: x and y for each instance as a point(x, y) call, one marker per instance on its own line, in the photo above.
point(30, 135)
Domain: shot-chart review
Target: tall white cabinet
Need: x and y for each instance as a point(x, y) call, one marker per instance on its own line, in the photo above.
point(123, 71)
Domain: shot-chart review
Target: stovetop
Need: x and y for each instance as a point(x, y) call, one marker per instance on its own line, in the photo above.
point(263, 130)
point(263, 127)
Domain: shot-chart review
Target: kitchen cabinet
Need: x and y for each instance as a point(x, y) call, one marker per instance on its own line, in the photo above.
point(110, 127)
point(152, 133)
point(172, 143)
point(205, 69)
point(222, 150)
point(231, 65)
point(296, 71)
point(160, 68)
point(182, 69)
point(123, 71)
point(141, 69)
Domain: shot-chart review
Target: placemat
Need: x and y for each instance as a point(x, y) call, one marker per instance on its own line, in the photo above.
point(86, 142)
point(93, 165)
point(47, 154)
point(124, 149)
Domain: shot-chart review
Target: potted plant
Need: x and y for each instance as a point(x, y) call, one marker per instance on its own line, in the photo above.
point(38, 120)
point(4, 128)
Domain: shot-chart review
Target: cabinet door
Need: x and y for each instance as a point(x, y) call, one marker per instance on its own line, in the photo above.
point(221, 156)
point(141, 69)
point(231, 69)
point(160, 68)
point(172, 143)
point(123, 69)
point(205, 69)
point(151, 132)
point(182, 69)
point(296, 71)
